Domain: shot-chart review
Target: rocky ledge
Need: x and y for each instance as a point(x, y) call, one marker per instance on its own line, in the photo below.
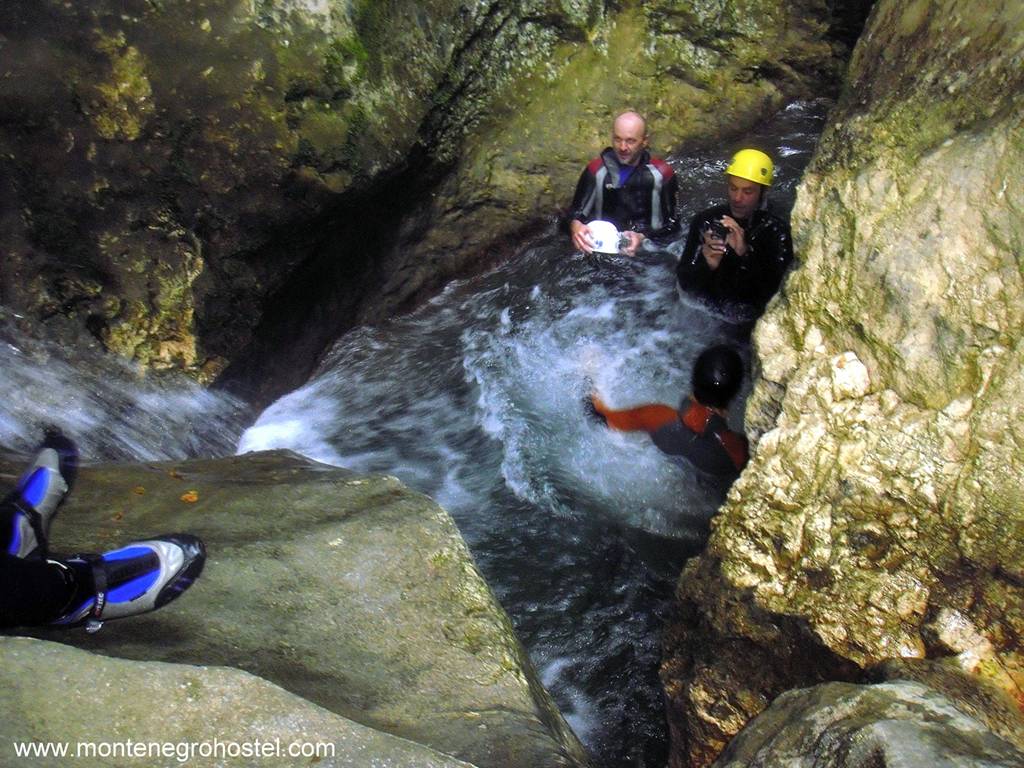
point(918, 716)
point(56, 694)
point(350, 592)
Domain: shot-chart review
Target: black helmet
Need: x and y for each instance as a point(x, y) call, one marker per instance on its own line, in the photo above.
point(717, 376)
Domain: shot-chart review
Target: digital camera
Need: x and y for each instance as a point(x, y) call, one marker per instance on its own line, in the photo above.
point(717, 229)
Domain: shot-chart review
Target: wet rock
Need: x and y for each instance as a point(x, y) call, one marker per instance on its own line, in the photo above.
point(176, 180)
point(974, 697)
point(349, 591)
point(900, 723)
point(64, 696)
point(881, 516)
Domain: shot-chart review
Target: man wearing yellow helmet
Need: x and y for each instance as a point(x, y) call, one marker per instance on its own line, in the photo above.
point(737, 253)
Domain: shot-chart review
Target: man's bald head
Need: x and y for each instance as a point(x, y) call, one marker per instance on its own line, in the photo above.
point(630, 121)
point(629, 137)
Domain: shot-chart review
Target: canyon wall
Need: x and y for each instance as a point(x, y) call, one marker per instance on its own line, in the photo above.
point(882, 515)
point(205, 183)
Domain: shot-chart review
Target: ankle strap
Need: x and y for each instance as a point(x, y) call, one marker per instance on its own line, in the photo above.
point(99, 584)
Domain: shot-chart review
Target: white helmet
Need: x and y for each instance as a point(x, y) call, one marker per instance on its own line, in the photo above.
point(604, 236)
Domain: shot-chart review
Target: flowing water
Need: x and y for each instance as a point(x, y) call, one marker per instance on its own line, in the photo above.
point(476, 400)
point(111, 409)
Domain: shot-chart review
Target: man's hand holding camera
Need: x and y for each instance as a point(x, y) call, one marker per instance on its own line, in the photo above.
point(719, 234)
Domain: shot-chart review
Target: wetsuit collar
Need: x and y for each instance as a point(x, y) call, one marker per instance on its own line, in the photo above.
point(723, 412)
point(611, 161)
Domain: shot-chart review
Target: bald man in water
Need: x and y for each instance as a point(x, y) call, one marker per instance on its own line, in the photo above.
point(627, 186)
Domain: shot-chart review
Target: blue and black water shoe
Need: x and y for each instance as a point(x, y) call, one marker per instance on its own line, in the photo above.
point(139, 577)
point(27, 512)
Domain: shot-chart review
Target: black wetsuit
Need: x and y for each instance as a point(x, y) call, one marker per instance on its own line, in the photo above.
point(32, 592)
point(697, 434)
point(641, 198)
point(745, 283)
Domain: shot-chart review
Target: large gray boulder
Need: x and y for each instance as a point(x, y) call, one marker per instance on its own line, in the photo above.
point(352, 592)
point(899, 724)
point(105, 710)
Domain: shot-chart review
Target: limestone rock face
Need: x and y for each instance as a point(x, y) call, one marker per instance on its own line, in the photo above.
point(167, 171)
point(349, 591)
point(883, 512)
point(56, 694)
point(842, 725)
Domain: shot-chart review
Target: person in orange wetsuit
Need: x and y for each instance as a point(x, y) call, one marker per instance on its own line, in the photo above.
point(698, 430)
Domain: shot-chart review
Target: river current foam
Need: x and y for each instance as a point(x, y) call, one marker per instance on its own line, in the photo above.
point(476, 400)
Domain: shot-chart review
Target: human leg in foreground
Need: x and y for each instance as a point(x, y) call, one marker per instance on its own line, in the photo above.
point(38, 589)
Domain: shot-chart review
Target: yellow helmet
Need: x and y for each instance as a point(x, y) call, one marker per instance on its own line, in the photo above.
point(752, 165)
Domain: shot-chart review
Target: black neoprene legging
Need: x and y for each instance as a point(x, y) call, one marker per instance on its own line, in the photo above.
point(32, 592)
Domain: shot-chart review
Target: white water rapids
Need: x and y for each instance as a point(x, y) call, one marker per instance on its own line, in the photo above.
point(475, 399)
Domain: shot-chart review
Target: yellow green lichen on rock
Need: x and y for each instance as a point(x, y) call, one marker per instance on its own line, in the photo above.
point(241, 125)
point(119, 105)
point(887, 482)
